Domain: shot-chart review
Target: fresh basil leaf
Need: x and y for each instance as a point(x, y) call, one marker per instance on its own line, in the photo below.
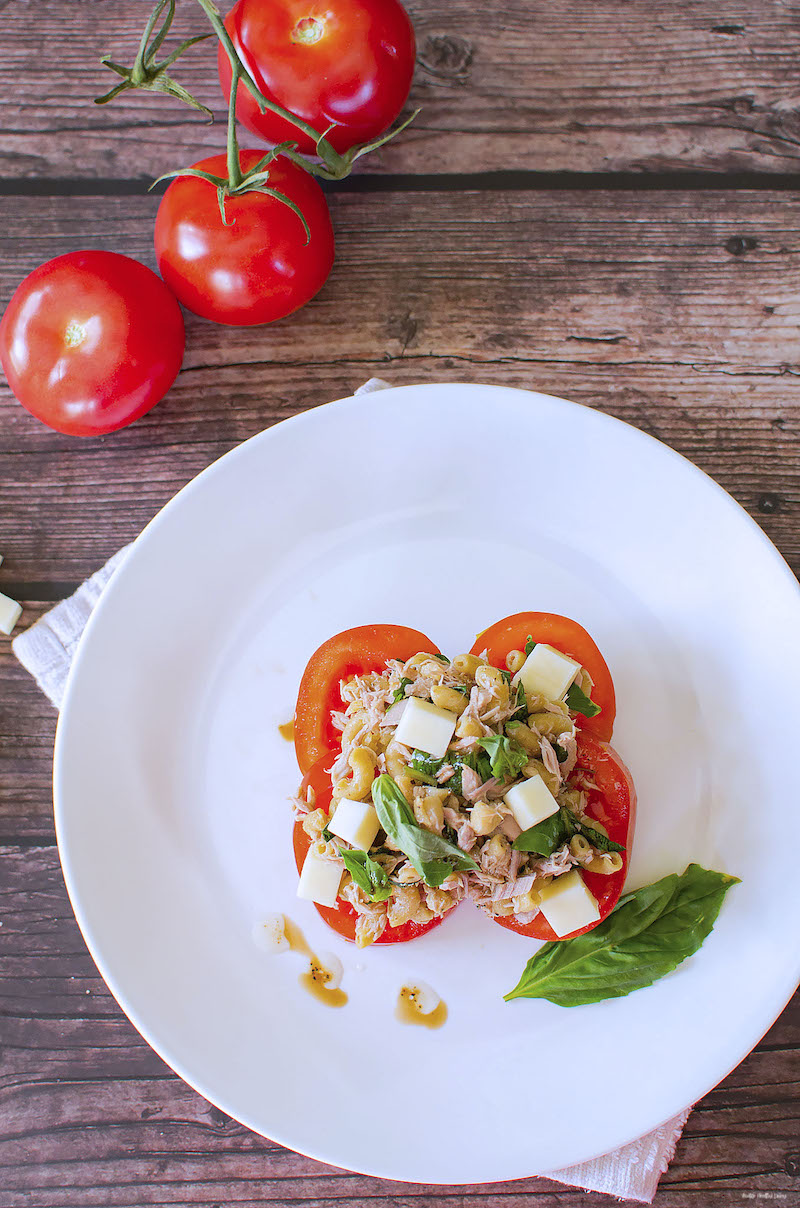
point(505, 674)
point(432, 856)
point(596, 837)
point(462, 688)
point(507, 756)
point(547, 835)
point(326, 834)
point(529, 644)
point(367, 873)
point(649, 933)
point(442, 658)
point(400, 691)
point(578, 702)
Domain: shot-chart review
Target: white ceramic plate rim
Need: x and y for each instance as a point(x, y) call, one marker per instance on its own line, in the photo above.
point(695, 1088)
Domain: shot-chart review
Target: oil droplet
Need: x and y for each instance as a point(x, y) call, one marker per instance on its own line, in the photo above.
point(317, 977)
point(410, 1002)
point(287, 730)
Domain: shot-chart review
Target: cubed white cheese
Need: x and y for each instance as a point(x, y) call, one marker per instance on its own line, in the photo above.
point(547, 672)
point(567, 904)
point(356, 822)
point(530, 802)
point(426, 727)
point(319, 880)
point(10, 612)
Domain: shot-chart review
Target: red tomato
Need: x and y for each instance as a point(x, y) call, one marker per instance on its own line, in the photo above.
point(353, 652)
point(614, 804)
point(90, 341)
point(259, 267)
point(570, 638)
point(345, 64)
point(342, 917)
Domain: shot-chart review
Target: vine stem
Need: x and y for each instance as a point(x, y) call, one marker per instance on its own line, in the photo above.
point(234, 163)
point(336, 164)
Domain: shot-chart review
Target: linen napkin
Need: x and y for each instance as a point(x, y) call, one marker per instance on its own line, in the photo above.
point(46, 650)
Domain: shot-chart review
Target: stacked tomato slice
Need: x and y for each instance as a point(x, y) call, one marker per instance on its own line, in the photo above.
point(612, 800)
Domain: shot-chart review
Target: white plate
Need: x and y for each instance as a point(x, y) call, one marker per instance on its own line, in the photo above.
point(445, 508)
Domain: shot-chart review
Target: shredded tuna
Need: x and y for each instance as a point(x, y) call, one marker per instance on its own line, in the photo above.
point(526, 916)
point(465, 835)
point(549, 758)
point(569, 744)
point(446, 772)
point(513, 889)
point(392, 716)
point(471, 784)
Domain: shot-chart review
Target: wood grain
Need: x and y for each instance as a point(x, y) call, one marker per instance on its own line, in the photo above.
point(557, 86)
point(90, 1115)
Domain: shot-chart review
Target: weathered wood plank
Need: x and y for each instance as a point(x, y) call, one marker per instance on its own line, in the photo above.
point(90, 1116)
point(631, 304)
point(600, 87)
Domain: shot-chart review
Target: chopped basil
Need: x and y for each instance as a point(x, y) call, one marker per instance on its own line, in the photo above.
point(432, 856)
point(549, 834)
point(545, 836)
point(367, 874)
point(400, 691)
point(507, 756)
point(442, 658)
point(521, 711)
point(529, 644)
point(578, 702)
point(422, 777)
point(326, 834)
point(423, 765)
point(561, 754)
point(648, 934)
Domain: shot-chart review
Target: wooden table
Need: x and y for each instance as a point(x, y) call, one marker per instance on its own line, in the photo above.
point(597, 201)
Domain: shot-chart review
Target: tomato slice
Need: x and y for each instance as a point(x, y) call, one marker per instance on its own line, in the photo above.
point(353, 652)
point(613, 803)
point(570, 638)
point(342, 917)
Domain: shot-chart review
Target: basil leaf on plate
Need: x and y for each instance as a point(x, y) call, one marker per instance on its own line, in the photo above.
point(648, 934)
point(432, 856)
point(578, 702)
point(529, 645)
point(366, 873)
point(506, 755)
point(400, 691)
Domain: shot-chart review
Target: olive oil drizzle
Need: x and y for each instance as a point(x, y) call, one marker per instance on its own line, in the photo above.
point(408, 1010)
point(287, 730)
point(316, 978)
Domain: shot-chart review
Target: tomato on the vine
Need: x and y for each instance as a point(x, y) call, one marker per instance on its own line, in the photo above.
point(90, 341)
point(345, 67)
point(258, 265)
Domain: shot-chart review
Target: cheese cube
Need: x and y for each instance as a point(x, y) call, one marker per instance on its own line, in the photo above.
point(356, 822)
point(547, 672)
point(426, 727)
point(567, 904)
point(319, 880)
point(530, 802)
point(10, 612)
